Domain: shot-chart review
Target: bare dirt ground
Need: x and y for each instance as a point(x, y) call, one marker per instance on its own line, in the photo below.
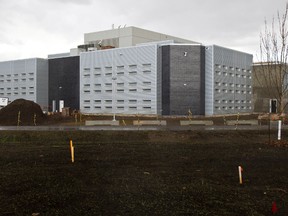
point(142, 173)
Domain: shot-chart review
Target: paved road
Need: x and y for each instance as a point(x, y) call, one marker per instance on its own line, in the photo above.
point(135, 128)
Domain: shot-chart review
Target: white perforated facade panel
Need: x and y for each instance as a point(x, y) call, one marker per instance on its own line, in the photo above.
point(120, 81)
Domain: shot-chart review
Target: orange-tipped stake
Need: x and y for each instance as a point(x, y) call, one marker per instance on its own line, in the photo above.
point(240, 170)
point(274, 208)
point(72, 151)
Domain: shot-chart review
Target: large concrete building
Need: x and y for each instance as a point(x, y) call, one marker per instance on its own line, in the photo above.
point(228, 81)
point(136, 71)
point(123, 37)
point(270, 87)
point(27, 78)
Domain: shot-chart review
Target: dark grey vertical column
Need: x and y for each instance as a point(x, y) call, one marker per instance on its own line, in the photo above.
point(64, 82)
point(166, 80)
point(183, 68)
point(203, 81)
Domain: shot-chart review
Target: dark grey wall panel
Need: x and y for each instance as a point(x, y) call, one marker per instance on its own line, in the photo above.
point(64, 81)
point(166, 80)
point(183, 79)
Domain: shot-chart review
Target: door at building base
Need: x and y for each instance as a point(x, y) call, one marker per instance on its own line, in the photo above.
point(273, 106)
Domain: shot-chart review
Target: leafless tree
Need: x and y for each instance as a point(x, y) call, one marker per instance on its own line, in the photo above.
point(272, 72)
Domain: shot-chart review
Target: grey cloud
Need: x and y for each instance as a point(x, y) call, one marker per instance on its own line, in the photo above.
point(224, 22)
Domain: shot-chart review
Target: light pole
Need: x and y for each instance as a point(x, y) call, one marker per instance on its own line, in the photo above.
point(60, 100)
point(114, 78)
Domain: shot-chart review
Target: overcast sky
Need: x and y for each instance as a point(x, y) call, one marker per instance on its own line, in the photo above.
point(36, 28)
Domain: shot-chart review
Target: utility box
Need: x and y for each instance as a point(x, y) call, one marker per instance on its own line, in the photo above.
point(66, 111)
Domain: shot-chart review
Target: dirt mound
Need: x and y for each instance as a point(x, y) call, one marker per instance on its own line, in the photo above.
point(27, 111)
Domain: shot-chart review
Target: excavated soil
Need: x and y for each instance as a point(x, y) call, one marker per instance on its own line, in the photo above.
point(21, 112)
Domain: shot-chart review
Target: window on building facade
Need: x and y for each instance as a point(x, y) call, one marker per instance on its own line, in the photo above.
point(147, 90)
point(147, 72)
point(108, 68)
point(146, 101)
point(108, 74)
point(132, 83)
point(120, 67)
point(132, 72)
point(218, 65)
point(121, 73)
point(146, 65)
point(146, 83)
point(133, 66)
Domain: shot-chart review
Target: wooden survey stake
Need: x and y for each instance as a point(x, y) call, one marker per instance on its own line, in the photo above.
point(240, 170)
point(72, 151)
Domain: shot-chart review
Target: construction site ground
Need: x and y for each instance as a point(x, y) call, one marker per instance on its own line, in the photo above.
point(143, 173)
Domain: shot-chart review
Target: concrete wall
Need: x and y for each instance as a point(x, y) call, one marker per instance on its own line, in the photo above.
point(268, 81)
point(183, 69)
point(129, 36)
point(42, 83)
